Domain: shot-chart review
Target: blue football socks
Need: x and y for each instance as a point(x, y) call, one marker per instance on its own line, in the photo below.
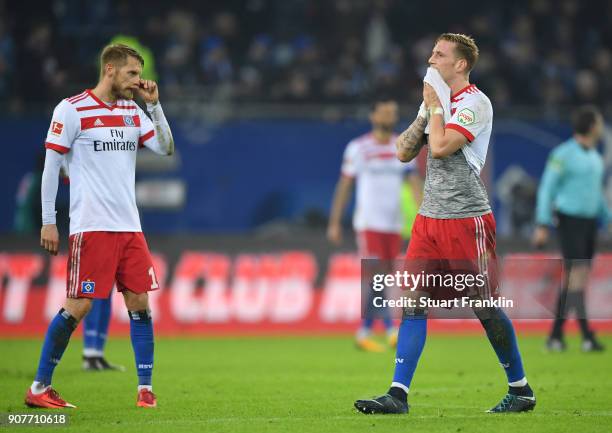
point(95, 327)
point(410, 343)
point(104, 317)
point(141, 334)
point(56, 340)
point(501, 334)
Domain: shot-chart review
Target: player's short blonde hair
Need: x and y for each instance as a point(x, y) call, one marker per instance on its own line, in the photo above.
point(117, 54)
point(465, 47)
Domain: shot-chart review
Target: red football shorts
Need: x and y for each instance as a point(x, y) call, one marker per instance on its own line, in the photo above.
point(379, 245)
point(454, 247)
point(97, 259)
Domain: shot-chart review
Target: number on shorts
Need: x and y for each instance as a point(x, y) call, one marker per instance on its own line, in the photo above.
point(154, 284)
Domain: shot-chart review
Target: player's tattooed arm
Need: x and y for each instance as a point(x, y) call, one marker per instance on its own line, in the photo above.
point(412, 140)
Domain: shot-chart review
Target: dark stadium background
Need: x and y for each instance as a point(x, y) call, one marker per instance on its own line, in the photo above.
point(255, 322)
point(263, 96)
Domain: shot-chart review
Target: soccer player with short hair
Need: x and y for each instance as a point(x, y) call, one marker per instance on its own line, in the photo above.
point(455, 222)
point(99, 131)
point(369, 161)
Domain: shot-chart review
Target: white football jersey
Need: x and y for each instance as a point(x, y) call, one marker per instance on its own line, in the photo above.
point(379, 176)
point(100, 142)
point(472, 116)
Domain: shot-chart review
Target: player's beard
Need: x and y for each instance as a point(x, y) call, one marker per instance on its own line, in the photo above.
point(120, 93)
point(387, 128)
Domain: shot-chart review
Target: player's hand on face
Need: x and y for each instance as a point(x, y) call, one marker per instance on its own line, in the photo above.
point(148, 91)
point(540, 237)
point(49, 238)
point(334, 234)
point(430, 97)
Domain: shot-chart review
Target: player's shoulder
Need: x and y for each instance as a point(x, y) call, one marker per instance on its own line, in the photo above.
point(69, 105)
point(473, 96)
point(474, 103)
point(76, 103)
point(359, 142)
point(363, 138)
point(481, 96)
point(78, 100)
point(563, 150)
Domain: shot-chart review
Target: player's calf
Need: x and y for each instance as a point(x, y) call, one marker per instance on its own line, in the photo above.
point(58, 335)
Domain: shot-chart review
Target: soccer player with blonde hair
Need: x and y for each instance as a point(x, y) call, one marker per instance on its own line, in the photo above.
point(455, 222)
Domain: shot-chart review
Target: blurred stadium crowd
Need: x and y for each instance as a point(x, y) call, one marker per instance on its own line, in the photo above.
point(536, 53)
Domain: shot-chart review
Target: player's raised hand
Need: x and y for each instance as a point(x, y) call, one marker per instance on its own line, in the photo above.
point(49, 238)
point(148, 92)
point(430, 96)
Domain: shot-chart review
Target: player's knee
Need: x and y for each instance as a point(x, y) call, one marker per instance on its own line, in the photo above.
point(486, 313)
point(136, 301)
point(78, 307)
point(417, 308)
point(414, 313)
point(578, 277)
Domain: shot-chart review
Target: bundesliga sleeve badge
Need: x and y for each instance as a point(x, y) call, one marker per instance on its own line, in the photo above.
point(57, 128)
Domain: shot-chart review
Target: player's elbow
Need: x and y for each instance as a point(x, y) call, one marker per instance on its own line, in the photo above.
point(439, 149)
point(437, 153)
point(403, 156)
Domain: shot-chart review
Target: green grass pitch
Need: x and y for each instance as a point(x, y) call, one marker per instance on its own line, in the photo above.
point(304, 384)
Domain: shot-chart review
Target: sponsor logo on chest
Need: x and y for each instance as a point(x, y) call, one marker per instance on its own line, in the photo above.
point(117, 140)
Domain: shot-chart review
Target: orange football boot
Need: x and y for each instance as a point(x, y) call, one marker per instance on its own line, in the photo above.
point(146, 398)
point(369, 345)
point(49, 399)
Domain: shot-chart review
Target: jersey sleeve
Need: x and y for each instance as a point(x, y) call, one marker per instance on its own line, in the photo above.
point(65, 126)
point(549, 184)
point(350, 160)
point(147, 130)
point(471, 118)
